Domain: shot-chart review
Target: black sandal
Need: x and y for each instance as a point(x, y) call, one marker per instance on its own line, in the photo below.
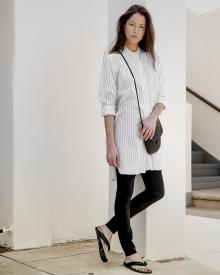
point(130, 264)
point(100, 237)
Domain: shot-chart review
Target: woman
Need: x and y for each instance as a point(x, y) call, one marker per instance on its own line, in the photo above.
point(126, 152)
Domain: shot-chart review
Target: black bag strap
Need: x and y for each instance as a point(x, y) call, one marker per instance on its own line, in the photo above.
point(135, 88)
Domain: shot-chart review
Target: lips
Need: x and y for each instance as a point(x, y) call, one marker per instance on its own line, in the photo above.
point(134, 36)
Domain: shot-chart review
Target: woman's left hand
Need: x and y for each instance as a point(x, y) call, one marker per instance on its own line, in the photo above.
point(148, 129)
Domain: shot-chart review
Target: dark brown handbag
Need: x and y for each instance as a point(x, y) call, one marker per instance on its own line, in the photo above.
point(151, 145)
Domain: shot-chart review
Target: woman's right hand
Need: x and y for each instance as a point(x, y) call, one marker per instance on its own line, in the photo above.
point(112, 155)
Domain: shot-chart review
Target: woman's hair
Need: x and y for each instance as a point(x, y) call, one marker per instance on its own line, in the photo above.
point(148, 40)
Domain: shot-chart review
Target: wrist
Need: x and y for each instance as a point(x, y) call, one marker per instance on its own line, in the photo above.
point(153, 116)
point(110, 143)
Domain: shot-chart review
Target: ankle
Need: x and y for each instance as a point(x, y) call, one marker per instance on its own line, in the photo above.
point(132, 255)
point(104, 226)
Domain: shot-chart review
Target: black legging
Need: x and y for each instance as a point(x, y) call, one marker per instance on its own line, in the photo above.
point(125, 208)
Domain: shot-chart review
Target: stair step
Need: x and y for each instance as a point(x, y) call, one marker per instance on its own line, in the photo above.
point(207, 194)
point(205, 182)
point(203, 212)
point(205, 165)
point(206, 198)
point(206, 179)
point(197, 156)
point(205, 169)
point(197, 153)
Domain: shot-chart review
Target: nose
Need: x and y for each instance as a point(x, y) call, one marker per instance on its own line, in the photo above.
point(136, 30)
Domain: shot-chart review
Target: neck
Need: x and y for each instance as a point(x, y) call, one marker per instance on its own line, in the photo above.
point(132, 47)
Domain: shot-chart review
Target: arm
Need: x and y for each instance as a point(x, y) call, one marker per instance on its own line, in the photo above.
point(158, 108)
point(112, 154)
point(109, 121)
point(150, 122)
point(107, 96)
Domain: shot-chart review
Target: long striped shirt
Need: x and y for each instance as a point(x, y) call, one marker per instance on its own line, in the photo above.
point(117, 96)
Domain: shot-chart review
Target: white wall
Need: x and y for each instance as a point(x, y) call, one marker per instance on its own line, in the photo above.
point(203, 58)
point(60, 174)
point(80, 175)
point(188, 147)
point(203, 6)
point(6, 123)
point(165, 219)
point(203, 74)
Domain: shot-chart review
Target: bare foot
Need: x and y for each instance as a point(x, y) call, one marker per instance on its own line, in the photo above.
point(138, 258)
point(108, 234)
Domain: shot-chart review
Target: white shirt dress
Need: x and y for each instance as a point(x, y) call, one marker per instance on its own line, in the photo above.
point(118, 97)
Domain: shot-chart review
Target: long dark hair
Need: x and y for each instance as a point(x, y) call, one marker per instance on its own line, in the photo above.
point(148, 40)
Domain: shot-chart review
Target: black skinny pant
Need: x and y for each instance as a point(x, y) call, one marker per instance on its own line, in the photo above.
point(125, 208)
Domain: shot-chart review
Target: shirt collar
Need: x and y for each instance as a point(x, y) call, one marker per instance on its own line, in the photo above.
point(126, 49)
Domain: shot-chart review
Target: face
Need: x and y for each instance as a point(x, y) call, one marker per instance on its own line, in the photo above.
point(135, 28)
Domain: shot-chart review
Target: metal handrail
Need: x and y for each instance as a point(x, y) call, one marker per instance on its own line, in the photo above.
point(203, 99)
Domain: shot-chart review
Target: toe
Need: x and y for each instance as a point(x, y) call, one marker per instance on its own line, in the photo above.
point(141, 268)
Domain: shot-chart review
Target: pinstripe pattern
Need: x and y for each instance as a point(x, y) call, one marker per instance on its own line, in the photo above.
point(118, 97)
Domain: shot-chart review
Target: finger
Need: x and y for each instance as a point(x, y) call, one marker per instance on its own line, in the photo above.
point(148, 135)
point(114, 163)
point(152, 134)
point(140, 133)
point(144, 134)
point(118, 160)
point(107, 158)
point(110, 161)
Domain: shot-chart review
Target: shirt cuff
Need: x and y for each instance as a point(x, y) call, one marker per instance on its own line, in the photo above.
point(162, 100)
point(108, 110)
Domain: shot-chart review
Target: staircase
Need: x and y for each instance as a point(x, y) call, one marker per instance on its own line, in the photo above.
point(205, 196)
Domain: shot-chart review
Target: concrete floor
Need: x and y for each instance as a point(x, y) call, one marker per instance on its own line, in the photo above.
point(83, 258)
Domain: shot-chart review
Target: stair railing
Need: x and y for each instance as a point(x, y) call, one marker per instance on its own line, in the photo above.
point(203, 99)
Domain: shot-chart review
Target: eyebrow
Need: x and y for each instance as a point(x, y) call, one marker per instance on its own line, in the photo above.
point(135, 23)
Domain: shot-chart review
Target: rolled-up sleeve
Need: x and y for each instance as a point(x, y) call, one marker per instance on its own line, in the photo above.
point(107, 87)
point(161, 91)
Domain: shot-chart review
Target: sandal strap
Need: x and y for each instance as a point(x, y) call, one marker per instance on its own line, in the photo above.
point(103, 237)
point(129, 264)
